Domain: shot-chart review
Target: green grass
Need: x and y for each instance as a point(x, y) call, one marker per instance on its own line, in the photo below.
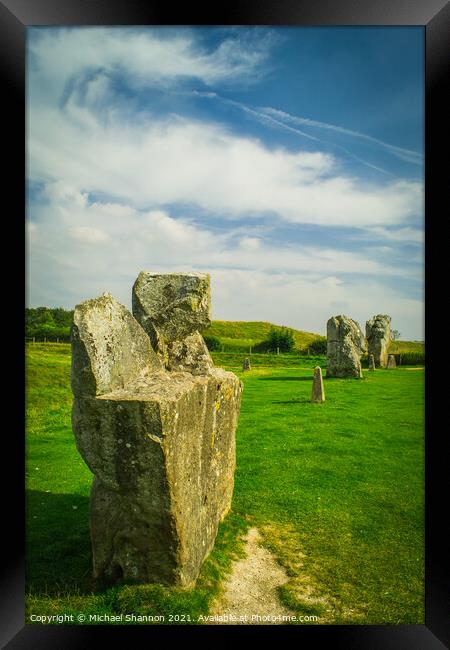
point(234, 360)
point(336, 490)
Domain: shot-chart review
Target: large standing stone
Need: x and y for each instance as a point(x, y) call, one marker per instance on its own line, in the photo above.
point(378, 335)
point(173, 309)
point(160, 444)
point(391, 361)
point(371, 363)
point(246, 364)
point(318, 393)
point(345, 345)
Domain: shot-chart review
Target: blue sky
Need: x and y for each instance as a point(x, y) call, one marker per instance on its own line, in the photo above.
point(286, 162)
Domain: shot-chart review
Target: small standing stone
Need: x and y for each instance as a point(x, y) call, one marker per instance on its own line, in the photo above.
point(391, 362)
point(318, 393)
point(371, 362)
point(246, 365)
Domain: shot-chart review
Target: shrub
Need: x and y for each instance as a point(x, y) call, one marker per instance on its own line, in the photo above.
point(282, 338)
point(212, 343)
point(410, 358)
point(319, 346)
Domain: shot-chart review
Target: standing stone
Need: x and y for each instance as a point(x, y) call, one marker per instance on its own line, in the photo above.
point(391, 362)
point(318, 393)
point(173, 308)
point(378, 335)
point(246, 365)
point(345, 345)
point(371, 362)
point(161, 446)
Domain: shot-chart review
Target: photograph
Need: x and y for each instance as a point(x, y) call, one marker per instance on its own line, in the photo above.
point(225, 345)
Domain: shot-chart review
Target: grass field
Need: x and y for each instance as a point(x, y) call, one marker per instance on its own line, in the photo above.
point(336, 489)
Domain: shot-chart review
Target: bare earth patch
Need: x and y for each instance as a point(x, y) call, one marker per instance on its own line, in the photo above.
point(251, 589)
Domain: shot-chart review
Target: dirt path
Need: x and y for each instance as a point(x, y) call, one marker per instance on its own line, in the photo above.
point(251, 589)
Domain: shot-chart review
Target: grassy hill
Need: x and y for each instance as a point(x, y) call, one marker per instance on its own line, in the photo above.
point(243, 334)
point(53, 324)
point(407, 346)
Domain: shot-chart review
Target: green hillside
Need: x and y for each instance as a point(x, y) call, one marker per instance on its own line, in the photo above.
point(396, 347)
point(248, 333)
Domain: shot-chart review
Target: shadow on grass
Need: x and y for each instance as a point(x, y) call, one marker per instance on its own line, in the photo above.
point(300, 400)
point(285, 378)
point(58, 544)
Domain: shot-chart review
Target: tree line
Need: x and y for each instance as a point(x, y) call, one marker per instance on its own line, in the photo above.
point(48, 323)
point(54, 323)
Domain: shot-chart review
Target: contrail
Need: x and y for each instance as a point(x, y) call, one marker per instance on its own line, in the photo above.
point(262, 116)
point(405, 154)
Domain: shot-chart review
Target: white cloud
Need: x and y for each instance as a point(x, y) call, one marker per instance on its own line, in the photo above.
point(61, 57)
point(159, 162)
point(87, 248)
point(89, 235)
point(405, 235)
point(307, 303)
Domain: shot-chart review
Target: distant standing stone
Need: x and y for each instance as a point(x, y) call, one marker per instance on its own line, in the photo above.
point(371, 362)
point(246, 365)
point(318, 393)
point(378, 335)
point(345, 345)
point(391, 362)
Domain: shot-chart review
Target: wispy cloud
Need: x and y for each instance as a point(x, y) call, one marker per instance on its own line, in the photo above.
point(404, 154)
point(155, 161)
point(112, 242)
point(64, 57)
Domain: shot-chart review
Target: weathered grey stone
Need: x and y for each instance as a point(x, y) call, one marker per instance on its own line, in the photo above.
point(371, 362)
point(391, 361)
point(173, 309)
point(246, 364)
point(189, 354)
point(378, 335)
point(160, 444)
point(318, 393)
point(345, 345)
point(109, 348)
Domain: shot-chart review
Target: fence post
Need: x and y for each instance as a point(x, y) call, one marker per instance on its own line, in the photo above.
point(45, 339)
point(278, 350)
point(34, 339)
point(250, 349)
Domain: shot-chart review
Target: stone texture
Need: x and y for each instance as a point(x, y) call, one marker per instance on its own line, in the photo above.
point(378, 335)
point(161, 446)
point(391, 361)
point(246, 364)
point(318, 393)
point(371, 362)
point(109, 347)
point(173, 309)
point(345, 345)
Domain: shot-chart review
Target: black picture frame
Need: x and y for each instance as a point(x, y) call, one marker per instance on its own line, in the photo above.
point(434, 16)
